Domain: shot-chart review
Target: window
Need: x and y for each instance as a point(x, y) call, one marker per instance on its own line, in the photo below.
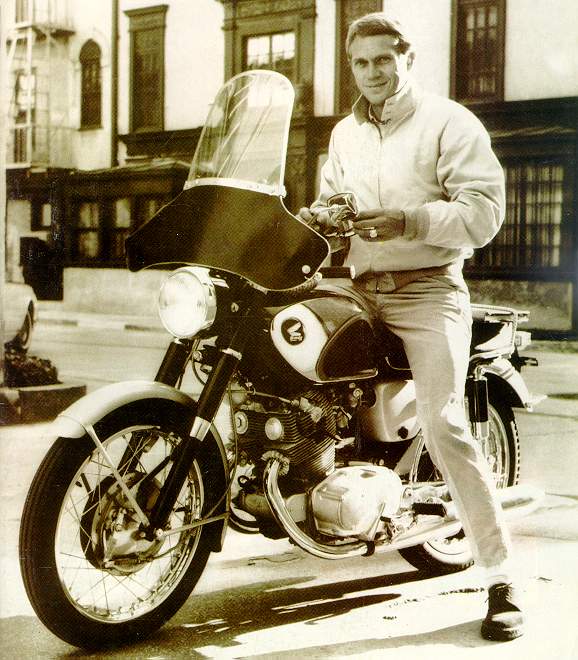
point(121, 226)
point(146, 207)
point(271, 51)
point(91, 85)
point(478, 52)
point(347, 12)
point(147, 28)
point(270, 34)
point(531, 238)
point(87, 245)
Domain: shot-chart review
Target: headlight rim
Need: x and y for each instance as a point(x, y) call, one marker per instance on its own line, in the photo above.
point(209, 300)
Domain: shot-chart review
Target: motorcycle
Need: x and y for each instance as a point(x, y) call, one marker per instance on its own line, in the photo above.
point(322, 445)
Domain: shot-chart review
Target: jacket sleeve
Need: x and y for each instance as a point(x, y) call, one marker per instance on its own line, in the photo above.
point(472, 180)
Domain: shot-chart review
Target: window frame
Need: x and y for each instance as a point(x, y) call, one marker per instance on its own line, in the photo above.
point(254, 18)
point(270, 36)
point(500, 63)
point(88, 122)
point(143, 20)
point(476, 268)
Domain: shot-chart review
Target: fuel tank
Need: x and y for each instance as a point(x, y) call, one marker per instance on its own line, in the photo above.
point(326, 339)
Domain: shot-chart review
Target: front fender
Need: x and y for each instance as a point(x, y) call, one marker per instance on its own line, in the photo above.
point(503, 370)
point(72, 422)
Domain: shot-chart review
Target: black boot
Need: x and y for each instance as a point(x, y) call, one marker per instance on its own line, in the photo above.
point(504, 620)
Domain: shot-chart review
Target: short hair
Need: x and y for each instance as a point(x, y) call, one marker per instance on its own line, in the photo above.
point(375, 24)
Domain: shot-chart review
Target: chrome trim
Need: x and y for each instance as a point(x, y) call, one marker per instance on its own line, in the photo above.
point(208, 286)
point(267, 189)
point(200, 428)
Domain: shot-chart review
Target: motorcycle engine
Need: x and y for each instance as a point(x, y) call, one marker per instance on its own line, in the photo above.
point(304, 431)
point(353, 500)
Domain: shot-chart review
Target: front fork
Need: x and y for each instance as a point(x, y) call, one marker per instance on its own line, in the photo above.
point(209, 402)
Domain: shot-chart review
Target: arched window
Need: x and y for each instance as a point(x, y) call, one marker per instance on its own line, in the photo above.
point(91, 86)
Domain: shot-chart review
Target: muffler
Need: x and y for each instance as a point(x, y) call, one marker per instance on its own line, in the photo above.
point(516, 501)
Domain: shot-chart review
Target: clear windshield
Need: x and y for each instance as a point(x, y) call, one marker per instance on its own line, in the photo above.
point(244, 141)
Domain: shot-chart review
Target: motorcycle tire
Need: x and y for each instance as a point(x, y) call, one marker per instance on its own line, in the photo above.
point(92, 580)
point(502, 450)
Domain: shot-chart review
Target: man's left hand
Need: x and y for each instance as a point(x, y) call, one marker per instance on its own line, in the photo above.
point(377, 225)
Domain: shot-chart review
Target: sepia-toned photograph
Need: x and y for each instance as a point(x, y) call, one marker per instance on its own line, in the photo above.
point(289, 329)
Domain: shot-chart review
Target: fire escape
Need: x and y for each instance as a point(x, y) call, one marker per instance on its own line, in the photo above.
point(38, 133)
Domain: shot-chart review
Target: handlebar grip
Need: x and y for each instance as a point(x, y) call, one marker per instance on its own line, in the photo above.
point(305, 287)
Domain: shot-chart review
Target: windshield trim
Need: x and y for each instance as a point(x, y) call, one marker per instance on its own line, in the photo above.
point(269, 189)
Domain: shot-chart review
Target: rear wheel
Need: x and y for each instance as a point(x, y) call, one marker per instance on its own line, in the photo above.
point(91, 577)
point(502, 451)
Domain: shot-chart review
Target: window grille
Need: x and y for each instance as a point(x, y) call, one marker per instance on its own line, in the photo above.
point(479, 50)
point(147, 29)
point(532, 236)
point(88, 242)
point(91, 85)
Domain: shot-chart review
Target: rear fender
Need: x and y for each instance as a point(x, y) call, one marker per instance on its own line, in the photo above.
point(86, 412)
point(502, 373)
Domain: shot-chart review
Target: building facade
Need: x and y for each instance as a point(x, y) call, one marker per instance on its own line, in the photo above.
point(107, 101)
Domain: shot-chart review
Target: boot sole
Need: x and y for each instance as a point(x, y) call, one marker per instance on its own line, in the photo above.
point(501, 634)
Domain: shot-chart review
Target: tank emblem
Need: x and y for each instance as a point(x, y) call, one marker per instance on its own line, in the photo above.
point(293, 331)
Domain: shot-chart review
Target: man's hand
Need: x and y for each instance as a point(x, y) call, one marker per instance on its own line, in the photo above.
point(379, 224)
point(318, 219)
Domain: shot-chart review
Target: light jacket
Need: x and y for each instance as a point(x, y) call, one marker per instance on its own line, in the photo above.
point(429, 157)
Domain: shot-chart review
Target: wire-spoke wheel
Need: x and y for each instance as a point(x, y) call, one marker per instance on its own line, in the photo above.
point(92, 575)
point(502, 451)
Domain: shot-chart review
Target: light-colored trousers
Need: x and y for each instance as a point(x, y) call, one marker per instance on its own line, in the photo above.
point(433, 318)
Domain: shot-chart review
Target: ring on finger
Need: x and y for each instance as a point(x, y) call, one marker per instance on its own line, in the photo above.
point(373, 233)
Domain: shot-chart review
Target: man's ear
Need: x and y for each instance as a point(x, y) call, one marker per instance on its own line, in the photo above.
point(410, 59)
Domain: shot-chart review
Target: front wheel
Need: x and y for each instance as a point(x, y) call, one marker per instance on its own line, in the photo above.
point(91, 577)
point(502, 451)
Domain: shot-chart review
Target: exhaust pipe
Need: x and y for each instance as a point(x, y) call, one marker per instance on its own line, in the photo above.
point(516, 501)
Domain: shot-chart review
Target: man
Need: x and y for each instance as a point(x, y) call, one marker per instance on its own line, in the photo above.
point(430, 190)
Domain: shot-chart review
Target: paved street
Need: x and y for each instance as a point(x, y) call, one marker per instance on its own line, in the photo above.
point(266, 599)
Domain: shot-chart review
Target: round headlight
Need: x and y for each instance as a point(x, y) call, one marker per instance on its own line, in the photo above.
point(187, 302)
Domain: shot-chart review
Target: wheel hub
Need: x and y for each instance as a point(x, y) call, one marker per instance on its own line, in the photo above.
point(116, 541)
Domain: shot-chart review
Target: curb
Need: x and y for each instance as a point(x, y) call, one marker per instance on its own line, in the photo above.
point(102, 321)
point(37, 403)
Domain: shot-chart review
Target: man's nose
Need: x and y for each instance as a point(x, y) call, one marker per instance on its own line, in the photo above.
point(373, 70)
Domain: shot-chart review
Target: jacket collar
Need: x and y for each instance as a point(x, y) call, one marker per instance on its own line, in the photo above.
point(396, 107)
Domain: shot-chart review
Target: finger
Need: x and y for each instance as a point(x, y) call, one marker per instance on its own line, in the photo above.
point(369, 213)
point(305, 214)
point(367, 224)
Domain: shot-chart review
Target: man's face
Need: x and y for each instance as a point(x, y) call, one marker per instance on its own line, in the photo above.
point(379, 70)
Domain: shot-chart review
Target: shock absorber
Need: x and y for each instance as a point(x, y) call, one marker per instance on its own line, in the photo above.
point(478, 403)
